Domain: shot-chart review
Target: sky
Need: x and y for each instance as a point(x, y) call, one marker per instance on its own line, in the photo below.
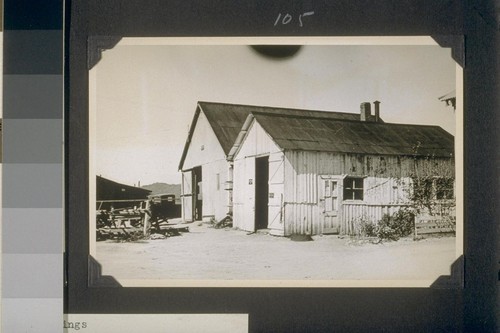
point(146, 95)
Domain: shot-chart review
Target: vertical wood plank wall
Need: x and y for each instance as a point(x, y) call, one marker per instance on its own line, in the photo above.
point(206, 151)
point(187, 196)
point(243, 194)
point(257, 143)
point(215, 199)
point(386, 181)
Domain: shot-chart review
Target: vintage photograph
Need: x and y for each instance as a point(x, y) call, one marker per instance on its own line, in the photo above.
point(276, 162)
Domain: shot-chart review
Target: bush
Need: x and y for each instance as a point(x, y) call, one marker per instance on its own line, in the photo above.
point(397, 225)
point(366, 228)
point(405, 222)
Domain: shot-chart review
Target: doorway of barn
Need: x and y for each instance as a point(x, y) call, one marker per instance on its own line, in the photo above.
point(261, 192)
point(197, 194)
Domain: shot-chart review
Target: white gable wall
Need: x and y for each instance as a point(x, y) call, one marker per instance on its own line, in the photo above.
point(204, 147)
point(257, 143)
point(215, 194)
point(205, 151)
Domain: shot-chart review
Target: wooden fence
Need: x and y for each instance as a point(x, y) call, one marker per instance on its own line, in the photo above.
point(440, 219)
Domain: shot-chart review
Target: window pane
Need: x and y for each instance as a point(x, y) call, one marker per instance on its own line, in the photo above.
point(444, 188)
point(353, 188)
point(358, 194)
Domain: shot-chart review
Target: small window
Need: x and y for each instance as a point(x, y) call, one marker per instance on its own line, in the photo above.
point(327, 189)
point(217, 179)
point(438, 188)
point(353, 188)
point(444, 188)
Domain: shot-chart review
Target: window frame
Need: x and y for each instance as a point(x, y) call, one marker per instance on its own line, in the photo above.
point(353, 190)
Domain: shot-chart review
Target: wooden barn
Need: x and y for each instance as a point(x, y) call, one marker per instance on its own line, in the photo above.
point(206, 173)
point(207, 170)
point(320, 172)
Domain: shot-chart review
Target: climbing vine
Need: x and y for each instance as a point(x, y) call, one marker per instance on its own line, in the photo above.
point(428, 184)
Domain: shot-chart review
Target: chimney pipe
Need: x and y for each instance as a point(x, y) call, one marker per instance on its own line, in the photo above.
point(365, 111)
point(377, 111)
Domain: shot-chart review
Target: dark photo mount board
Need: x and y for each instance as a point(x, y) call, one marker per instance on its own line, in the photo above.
point(469, 28)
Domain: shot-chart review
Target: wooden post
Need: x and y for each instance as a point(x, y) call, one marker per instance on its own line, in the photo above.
point(147, 217)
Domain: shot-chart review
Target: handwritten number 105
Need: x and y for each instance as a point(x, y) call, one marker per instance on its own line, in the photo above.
point(287, 18)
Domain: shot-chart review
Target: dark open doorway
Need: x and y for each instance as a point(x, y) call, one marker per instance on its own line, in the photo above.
point(261, 192)
point(197, 194)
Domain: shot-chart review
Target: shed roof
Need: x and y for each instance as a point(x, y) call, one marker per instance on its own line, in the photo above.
point(359, 137)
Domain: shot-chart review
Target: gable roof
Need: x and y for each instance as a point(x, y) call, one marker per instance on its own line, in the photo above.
point(359, 137)
point(227, 120)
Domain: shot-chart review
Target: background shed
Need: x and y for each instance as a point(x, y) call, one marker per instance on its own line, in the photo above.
point(110, 193)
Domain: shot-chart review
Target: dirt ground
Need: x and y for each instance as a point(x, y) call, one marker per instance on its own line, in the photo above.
point(227, 254)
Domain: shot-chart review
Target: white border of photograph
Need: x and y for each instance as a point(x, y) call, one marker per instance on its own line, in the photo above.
point(459, 158)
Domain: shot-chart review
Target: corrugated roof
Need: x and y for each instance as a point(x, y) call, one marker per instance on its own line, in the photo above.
point(300, 129)
point(348, 136)
point(227, 119)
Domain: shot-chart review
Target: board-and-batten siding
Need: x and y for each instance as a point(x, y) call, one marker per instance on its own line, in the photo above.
point(256, 144)
point(205, 151)
point(301, 209)
point(386, 179)
point(243, 194)
point(276, 195)
point(352, 212)
point(204, 147)
point(187, 196)
point(325, 163)
point(214, 194)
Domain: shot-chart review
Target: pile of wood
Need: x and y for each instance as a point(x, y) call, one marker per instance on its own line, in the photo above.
point(131, 224)
point(226, 222)
point(171, 228)
point(122, 233)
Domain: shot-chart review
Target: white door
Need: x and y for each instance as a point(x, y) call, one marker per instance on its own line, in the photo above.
point(330, 196)
point(276, 177)
point(249, 194)
point(187, 196)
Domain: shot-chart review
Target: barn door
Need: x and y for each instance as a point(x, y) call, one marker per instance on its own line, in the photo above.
point(330, 197)
point(187, 196)
point(197, 186)
point(261, 192)
point(249, 195)
point(276, 176)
